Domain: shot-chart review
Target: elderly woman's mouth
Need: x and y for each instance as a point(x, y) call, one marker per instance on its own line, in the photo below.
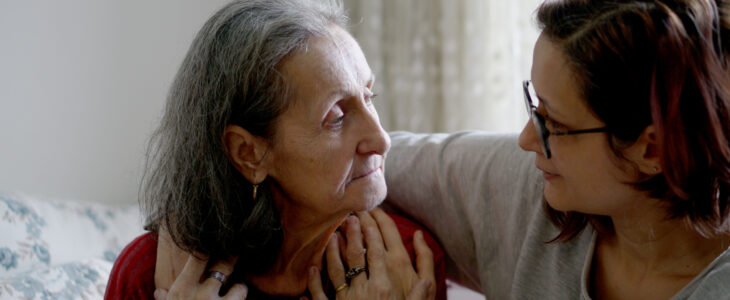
point(365, 174)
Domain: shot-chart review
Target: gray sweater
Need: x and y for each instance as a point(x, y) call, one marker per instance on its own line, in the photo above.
point(481, 195)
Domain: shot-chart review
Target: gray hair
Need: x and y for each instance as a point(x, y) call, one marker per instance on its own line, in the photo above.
point(229, 76)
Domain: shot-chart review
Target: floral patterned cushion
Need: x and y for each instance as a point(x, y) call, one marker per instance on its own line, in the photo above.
point(49, 247)
point(83, 279)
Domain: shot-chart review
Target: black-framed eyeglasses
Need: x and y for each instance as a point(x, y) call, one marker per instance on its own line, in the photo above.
point(539, 120)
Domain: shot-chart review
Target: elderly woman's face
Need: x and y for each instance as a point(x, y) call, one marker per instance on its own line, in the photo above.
point(328, 152)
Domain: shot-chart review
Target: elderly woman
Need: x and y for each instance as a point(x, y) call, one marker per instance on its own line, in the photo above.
point(624, 192)
point(268, 142)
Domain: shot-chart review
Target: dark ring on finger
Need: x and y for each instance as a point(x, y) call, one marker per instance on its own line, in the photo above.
point(217, 276)
point(355, 271)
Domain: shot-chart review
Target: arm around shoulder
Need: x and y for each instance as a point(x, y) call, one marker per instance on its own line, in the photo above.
point(468, 188)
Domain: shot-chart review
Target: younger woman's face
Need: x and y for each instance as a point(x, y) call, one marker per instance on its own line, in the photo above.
point(583, 174)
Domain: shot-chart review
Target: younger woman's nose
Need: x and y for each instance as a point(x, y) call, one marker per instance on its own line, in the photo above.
point(529, 140)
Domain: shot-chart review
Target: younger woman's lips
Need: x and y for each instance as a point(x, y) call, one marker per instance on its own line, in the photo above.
point(547, 175)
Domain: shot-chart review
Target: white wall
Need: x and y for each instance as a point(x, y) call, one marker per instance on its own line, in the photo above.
point(82, 85)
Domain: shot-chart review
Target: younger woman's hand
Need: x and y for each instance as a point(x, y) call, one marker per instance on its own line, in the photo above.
point(195, 282)
point(170, 260)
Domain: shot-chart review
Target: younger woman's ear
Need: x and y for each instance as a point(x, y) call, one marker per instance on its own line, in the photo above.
point(645, 152)
point(246, 152)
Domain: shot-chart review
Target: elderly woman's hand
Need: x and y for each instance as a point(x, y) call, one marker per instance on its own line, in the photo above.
point(391, 274)
point(192, 284)
point(397, 260)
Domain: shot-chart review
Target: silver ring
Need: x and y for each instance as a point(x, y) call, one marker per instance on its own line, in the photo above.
point(355, 271)
point(217, 276)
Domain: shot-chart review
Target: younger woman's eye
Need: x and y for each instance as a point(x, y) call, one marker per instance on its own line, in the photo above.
point(551, 124)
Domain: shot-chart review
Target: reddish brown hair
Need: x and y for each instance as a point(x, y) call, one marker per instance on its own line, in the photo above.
point(664, 63)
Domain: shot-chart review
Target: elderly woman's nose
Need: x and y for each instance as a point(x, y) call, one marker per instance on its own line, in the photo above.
point(374, 139)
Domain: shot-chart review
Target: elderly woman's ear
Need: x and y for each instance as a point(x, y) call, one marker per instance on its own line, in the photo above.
point(246, 152)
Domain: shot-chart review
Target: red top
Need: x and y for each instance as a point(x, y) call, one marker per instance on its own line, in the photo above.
point(133, 274)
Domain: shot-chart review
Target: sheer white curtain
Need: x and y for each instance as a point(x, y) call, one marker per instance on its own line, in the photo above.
point(447, 65)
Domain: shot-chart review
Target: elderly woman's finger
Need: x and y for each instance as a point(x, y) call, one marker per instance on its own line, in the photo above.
point(376, 251)
point(366, 220)
point(314, 283)
point(237, 291)
point(217, 275)
point(389, 230)
point(341, 242)
point(335, 269)
point(355, 251)
point(421, 290)
point(424, 258)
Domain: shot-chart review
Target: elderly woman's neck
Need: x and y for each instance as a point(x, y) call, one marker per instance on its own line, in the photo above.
point(305, 240)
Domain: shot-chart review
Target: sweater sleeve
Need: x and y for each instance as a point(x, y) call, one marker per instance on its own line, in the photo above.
point(473, 190)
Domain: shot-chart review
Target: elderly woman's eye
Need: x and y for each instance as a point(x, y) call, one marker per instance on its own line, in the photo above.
point(369, 98)
point(336, 121)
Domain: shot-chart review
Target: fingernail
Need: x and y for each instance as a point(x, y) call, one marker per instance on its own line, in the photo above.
point(418, 234)
point(313, 271)
point(157, 294)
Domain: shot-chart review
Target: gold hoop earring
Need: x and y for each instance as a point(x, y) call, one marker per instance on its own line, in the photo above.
point(255, 188)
